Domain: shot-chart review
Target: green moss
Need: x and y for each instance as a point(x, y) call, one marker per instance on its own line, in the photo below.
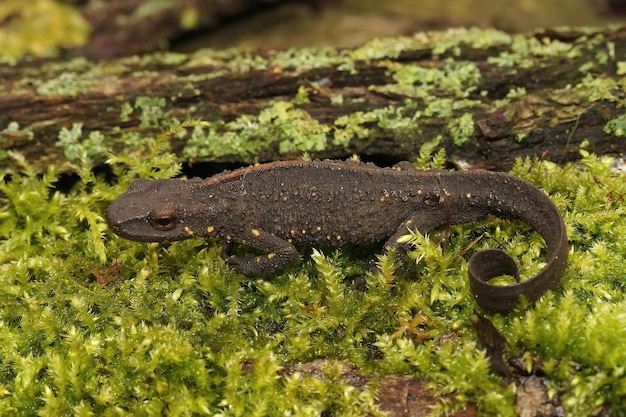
point(520, 52)
point(189, 18)
point(112, 330)
point(352, 126)
point(597, 88)
point(292, 128)
point(76, 148)
point(441, 42)
point(455, 77)
point(616, 126)
point(41, 29)
point(300, 59)
point(461, 129)
point(151, 110)
point(454, 368)
point(516, 92)
point(91, 323)
point(302, 96)
point(66, 84)
point(530, 45)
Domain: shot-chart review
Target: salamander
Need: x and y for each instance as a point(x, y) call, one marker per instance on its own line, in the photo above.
point(275, 207)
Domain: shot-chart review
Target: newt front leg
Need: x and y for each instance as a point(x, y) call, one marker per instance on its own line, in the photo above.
point(278, 253)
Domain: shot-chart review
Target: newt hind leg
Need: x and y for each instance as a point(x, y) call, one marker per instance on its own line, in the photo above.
point(423, 222)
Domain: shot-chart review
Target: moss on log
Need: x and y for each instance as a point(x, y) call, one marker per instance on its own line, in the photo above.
point(488, 97)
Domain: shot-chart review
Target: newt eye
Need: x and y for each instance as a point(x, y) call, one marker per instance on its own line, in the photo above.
point(163, 221)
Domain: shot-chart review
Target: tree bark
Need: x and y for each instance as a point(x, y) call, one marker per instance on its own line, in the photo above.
point(536, 95)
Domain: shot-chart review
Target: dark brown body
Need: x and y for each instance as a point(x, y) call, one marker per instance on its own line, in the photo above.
point(275, 207)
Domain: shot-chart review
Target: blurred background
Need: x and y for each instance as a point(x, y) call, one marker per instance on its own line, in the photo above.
point(348, 23)
point(113, 28)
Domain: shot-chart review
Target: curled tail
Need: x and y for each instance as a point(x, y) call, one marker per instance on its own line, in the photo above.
point(506, 196)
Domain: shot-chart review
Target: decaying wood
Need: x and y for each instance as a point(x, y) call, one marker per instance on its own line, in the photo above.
point(549, 120)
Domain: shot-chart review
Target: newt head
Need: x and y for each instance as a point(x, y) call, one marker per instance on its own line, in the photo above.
point(159, 211)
